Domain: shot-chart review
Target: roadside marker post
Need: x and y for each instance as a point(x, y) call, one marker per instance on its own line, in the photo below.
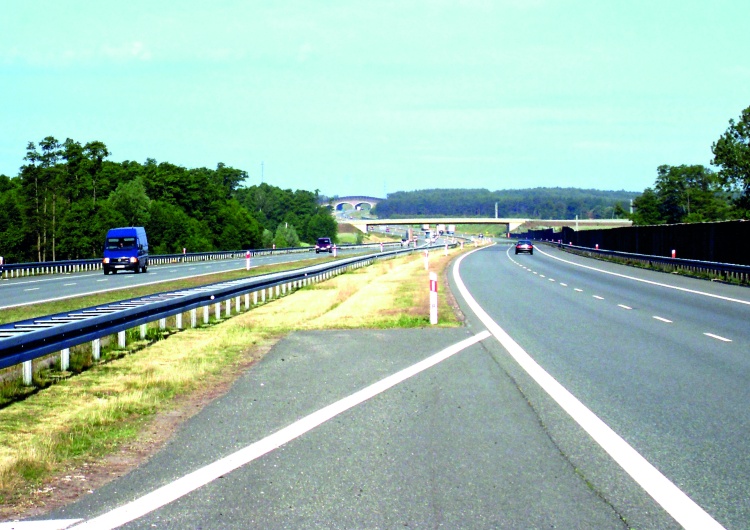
point(433, 298)
point(335, 251)
point(381, 246)
point(674, 254)
point(247, 260)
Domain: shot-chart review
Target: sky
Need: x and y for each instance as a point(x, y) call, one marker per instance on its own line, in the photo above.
point(373, 97)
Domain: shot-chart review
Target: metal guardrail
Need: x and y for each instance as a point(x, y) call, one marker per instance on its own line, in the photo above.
point(24, 341)
point(727, 271)
point(15, 270)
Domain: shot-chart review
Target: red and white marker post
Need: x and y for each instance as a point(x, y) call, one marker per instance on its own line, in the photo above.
point(247, 260)
point(381, 246)
point(335, 251)
point(433, 299)
point(674, 253)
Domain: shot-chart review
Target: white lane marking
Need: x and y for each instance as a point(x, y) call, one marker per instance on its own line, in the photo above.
point(552, 279)
point(683, 289)
point(578, 290)
point(536, 273)
point(681, 507)
point(597, 297)
point(624, 306)
point(717, 337)
point(59, 524)
point(663, 319)
point(32, 289)
point(69, 284)
point(563, 284)
point(542, 276)
point(200, 477)
point(102, 280)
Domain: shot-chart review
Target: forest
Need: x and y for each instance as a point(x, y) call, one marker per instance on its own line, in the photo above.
point(68, 194)
point(537, 203)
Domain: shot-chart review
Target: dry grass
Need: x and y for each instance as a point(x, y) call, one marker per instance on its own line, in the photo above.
point(66, 429)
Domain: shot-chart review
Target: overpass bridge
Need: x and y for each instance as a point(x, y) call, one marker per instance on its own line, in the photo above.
point(513, 224)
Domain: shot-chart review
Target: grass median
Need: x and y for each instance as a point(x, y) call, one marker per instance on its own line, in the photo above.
point(77, 434)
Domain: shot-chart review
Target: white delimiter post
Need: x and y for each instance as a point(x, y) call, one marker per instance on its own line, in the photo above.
point(433, 299)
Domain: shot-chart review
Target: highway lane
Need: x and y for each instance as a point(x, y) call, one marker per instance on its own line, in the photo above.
point(653, 360)
point(28, 290)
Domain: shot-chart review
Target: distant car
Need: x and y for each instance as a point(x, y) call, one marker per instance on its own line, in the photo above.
point(524, 245)
point(324, 244)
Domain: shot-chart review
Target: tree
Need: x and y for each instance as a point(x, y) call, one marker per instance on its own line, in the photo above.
point(732, 153)
point(131, 201)
point(646, 209)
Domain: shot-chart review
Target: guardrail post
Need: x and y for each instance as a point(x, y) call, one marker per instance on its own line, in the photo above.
point(121, 339)
point(64, 359)
point(143, 331)
point(178, 320)
point(255, 297)
point(205, 314)
point(277, 291)
point(96, 349)
point(27, 373)
point(247, 301)
point(237, 305)
point(217, 310)
point(228, 307)
point(193, 317)
point(263, 296)
point(162, 323)
point(283, 289)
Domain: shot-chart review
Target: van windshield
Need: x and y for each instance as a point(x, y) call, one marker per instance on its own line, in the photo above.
point(117, 243)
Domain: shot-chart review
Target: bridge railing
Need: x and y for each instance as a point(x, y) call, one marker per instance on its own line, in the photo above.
point(28, 340)
point(725, 271)
point(17, 270)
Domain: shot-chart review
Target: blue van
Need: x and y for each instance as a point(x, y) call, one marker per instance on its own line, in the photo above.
point(125, 248)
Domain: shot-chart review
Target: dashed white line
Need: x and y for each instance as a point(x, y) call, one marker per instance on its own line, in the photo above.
point(662, 319)
point(552, 279)
point(579, 290)
point(102, 280)
point(597, 297)
point(32, 289)
point(681, 507)
point(69, 284)
point(717, 337)
point(563, 284)
point(624, 306)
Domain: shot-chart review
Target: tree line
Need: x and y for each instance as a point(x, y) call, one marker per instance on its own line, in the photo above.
point(68, 194)
point(695, 193)
point(536, 203)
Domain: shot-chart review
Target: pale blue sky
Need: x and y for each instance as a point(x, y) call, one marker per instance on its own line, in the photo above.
point(372, 97)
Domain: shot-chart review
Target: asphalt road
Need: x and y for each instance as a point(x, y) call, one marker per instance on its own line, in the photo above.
point(474, 441)
point(29, 290)
point(664, 364)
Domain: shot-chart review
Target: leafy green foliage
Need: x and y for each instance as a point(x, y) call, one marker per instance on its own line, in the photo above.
point(67, 195)
point(732, 153)
point(538, 203)
point(682, 194)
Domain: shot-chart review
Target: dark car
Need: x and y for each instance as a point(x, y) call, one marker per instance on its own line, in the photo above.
point(324, 244)
point(524, 245)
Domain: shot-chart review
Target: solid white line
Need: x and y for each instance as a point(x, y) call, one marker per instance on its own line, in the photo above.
point(182, 486)
point(683, 289)
point(624, 306)
point(681, 507)
point(717, 337)
point(663, 319)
